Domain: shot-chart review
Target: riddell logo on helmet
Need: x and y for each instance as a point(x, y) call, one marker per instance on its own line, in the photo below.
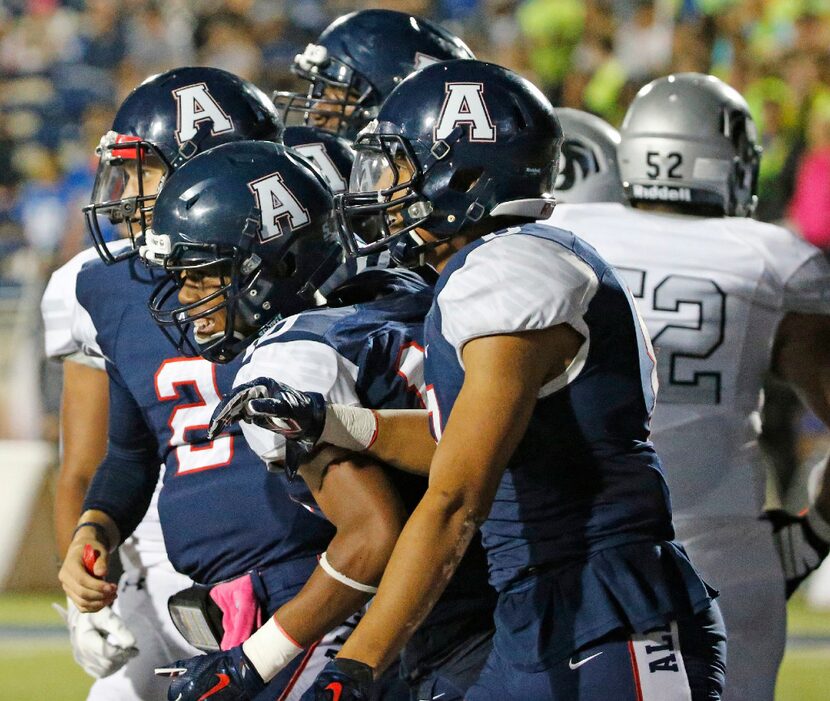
point(664, 193)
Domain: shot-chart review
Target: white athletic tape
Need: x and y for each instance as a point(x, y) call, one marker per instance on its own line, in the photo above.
point(270, 649)
point(351, 427)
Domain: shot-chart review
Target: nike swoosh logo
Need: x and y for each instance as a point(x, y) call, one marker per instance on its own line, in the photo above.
point(224, 680)
point(439, 696)
point(336, 688)
point(577, 665)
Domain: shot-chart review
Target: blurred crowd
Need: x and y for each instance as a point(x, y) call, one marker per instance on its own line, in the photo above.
point(66, 64)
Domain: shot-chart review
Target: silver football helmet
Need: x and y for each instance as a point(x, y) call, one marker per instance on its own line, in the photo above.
point(689, 139)
point(588, 170)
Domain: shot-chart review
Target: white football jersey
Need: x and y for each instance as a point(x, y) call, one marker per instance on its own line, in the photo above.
point(548, 285)
point(712, 293)
point(70, 333)
point(68, 330)
point(306, 365)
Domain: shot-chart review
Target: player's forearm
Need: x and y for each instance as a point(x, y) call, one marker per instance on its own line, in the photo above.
point(426, 556)
point(69, 500)
point(357, 554)
point(404, 440)
point(84, 421)
point(336, 590)
point(397, 437)
point(321, 605)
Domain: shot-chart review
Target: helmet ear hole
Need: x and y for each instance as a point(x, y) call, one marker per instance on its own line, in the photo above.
point(464, 179)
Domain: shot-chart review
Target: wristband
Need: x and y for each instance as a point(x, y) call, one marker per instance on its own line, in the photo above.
point(325, 565)
point(350, 427)
point(100, 532)
point(819, 525)
point(270, 649)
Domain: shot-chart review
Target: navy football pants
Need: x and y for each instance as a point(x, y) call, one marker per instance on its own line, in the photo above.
point(683, 661)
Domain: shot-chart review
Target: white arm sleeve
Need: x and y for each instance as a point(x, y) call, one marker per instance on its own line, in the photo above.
point(305, 365)
point(68, 329)
point(512, 284)
point(517, 283)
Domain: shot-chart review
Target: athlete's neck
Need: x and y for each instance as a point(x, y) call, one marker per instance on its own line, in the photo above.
point(439, 256)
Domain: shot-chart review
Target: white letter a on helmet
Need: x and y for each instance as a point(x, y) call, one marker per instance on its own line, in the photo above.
point(282, 212)
point(195, 105)
point(464, 104)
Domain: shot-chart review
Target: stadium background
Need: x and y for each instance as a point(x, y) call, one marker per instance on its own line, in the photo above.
point(66, 64)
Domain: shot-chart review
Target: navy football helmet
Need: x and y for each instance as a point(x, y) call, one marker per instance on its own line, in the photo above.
point(254, 214)
point(588, 170)
point(163, 123)
point(331, 155)
point(356, 63)
point(453, 144)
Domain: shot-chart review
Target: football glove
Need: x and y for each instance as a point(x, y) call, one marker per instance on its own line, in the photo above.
point(101, 642)
point(299, 416)
point(341, 680)
point(218, 676)
point(800, 548)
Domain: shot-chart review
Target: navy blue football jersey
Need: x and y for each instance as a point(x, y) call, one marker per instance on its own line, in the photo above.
point(371, 354)
point(579, 535)
point(585, 471)
point(222, 514)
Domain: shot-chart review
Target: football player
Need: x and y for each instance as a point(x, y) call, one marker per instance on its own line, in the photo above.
point(726, 299)
point(357, 61)
point(258, 554)
point(588, 170)
point(540, 387)
point(231, 227)
point(137, 624)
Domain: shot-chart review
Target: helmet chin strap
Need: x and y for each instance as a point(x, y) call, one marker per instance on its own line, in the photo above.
point(411, 249)
point(406, 248)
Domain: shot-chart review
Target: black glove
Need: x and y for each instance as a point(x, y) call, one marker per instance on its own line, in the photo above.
point(218, 676)
point(801, 550)
point(341, 680)
point(299, 416)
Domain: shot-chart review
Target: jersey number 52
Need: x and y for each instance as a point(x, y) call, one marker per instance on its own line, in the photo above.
point(683, 346)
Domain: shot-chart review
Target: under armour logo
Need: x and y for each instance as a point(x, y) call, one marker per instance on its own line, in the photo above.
point(464, 104)
point(282, 212)
point(195, 105)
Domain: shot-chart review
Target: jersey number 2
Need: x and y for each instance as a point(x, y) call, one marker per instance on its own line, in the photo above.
point(201, 375)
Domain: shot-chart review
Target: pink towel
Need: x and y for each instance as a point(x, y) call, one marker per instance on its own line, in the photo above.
point(240, 610)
